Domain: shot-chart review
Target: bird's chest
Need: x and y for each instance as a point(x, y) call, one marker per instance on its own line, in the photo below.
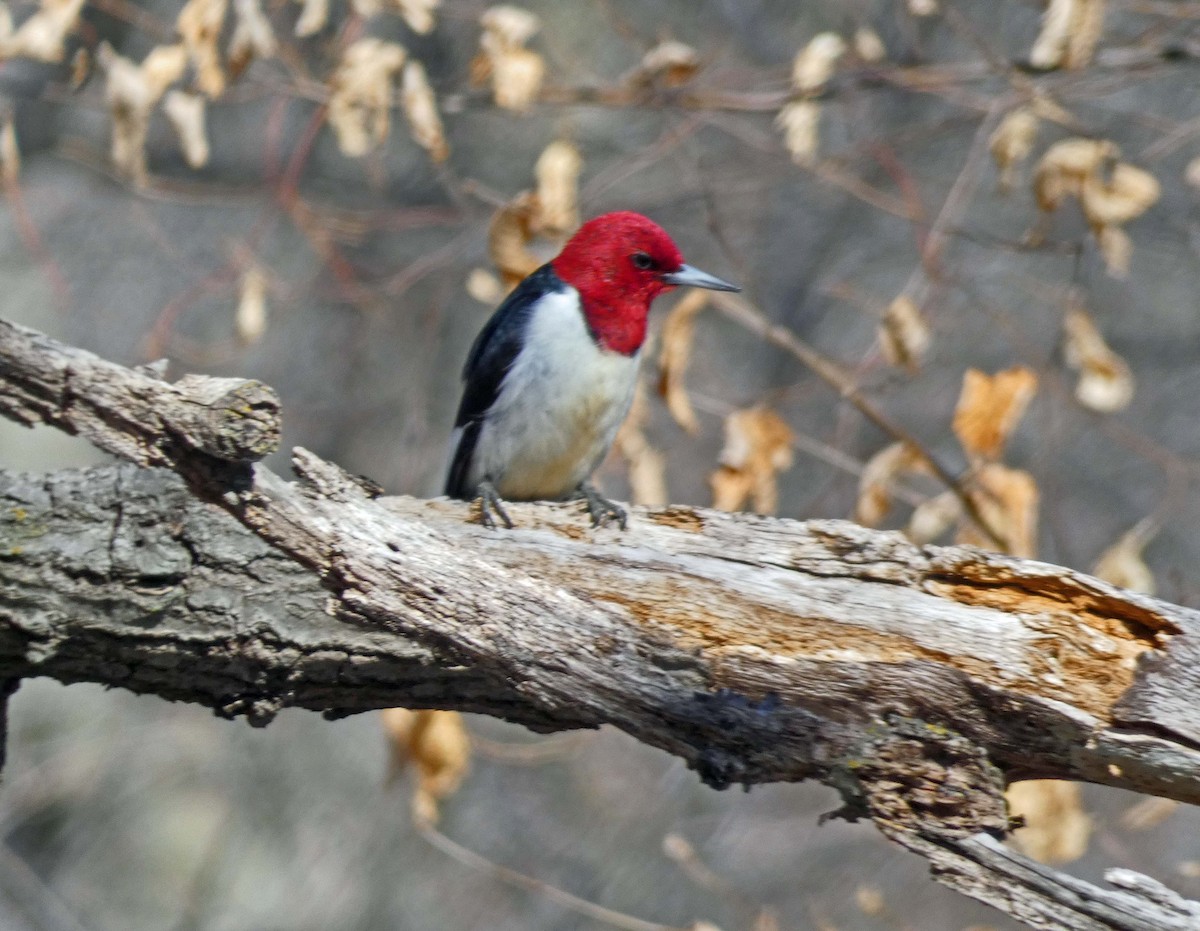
point(560, 407)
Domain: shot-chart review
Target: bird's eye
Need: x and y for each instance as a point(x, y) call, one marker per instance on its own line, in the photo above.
point(642, 260)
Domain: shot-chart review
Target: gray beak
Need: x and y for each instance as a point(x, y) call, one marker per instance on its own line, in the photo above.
point(693, 277)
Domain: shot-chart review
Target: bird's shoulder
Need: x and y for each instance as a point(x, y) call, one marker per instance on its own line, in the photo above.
point(499, 343)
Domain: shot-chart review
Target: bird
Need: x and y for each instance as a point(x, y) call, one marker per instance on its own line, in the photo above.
point(551, 376)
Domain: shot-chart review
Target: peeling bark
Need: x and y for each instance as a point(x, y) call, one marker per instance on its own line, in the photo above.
point(916, 680)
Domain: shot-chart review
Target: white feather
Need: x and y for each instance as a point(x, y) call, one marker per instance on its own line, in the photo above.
point(558, 410)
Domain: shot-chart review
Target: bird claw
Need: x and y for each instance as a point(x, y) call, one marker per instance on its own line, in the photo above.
point(490, 501)
point(600, 507)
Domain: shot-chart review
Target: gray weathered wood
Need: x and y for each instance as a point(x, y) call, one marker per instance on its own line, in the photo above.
point(916, 680)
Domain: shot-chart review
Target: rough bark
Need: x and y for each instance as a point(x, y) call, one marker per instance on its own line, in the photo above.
point(916, 680)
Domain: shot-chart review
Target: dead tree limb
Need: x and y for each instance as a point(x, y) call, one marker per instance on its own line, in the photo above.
point(916, 680)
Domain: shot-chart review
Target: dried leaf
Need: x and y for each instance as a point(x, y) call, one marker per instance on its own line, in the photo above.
point(813, 65)
point(516, 72)
point(361, 94)
point(923, 7)
point(800, 123)
point(758, 445)
point(199, 24)
point(1105, 380)
point(508, 239)
point(868, 46)
point(186, 113)
point(314, 14)
point(1086, 30)
point(81, 68)
point(1116, 197)
point(1122, 563)
point(485, 287)
point(904, 335)
point(252, 36)
point(670, 63)
point(418, 14)
point(10, 153)
point(1012, 142)
point(41, 36)
point(1148, 813)
point(674, 356)
point(1007, 499)
point(647, 465)
point(990, 407)
point(1064, 167)
point(869, 900)
point(420, 106)
point(1057, 829)
point(131, 92)
point(436, 742)
point(874, 485)
point(557, 172)
point(1050, 48)
point(250, 321)
point(933, 517)
point(1116, 248)
point(1191, 174)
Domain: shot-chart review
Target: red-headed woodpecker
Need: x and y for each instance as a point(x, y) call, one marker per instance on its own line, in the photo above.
point(551, 376)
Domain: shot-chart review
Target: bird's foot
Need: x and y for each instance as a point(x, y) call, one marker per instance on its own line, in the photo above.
point(489, 502)
point(600, 507)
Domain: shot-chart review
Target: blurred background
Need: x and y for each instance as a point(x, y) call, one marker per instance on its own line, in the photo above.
point(331, 197)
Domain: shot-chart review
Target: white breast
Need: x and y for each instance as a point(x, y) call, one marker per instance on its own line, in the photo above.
point(558, 410)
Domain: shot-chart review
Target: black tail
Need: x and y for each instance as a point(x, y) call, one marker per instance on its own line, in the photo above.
point(460, 465)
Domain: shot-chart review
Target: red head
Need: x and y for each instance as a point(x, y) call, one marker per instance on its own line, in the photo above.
point(618, 263)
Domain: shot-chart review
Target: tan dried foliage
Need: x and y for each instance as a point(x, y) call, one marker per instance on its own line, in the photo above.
point(923, 7)
point(903, 335)
point(250, 322)
point(252, 36)
point(1148, 813)
point(1105, 380)
point(1071, 29)
point(1110, 192)
point(10, 153)
point(647, 466)
point(674, 356)
point(557, 173)
point(314, 14)
point(1117, 196)
point(813, 65)
point(1057, 829)
point(418, 14)
point(511, 231)
point(869, 899)
point(670, 64)
point(199, 24)
point(484, 287)
point(1012, 142)
point(437, 745)
point(1122, 563)
point(81, 68)
point(515, 71)
point(1191, 173)
point(131, 91)
point(1007, 499)
point(41, 36)
point(800, 123)
point(933, 517)
point(758, 446)
point(989, 408)
point(361, 94)
point(186, 113)
point(868, 46)
point(420, 107)
point(875, 484)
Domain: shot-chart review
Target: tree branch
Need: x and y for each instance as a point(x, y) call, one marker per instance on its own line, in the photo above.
point(916, 680)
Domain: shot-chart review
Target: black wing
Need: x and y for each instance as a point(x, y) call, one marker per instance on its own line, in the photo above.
point(490, 358)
